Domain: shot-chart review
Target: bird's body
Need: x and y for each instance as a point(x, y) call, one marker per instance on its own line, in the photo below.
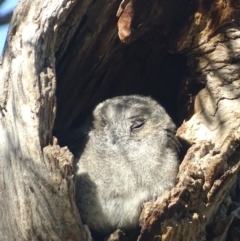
point(130, 157)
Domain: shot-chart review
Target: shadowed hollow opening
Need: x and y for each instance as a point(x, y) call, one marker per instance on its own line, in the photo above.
point(143, 71)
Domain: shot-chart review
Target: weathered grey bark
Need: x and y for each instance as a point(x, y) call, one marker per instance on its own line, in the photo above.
point(37, 184)
point(205, 203)
point(74, 50)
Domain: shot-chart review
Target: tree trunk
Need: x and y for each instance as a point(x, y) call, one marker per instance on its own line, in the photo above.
point(184, 53)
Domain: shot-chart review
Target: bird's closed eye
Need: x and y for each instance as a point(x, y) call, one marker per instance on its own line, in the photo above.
point(103, 123)
point(137, 125)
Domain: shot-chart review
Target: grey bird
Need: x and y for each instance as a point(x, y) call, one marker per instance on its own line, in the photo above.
point(130, 156)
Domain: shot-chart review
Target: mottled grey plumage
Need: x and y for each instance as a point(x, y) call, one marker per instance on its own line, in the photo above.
point(130, 156)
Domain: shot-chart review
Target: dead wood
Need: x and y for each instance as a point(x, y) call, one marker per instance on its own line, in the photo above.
point(62, 58)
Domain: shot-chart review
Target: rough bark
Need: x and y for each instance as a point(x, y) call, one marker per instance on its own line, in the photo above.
point(37, 184)
point(205, 203)
point(85, 51)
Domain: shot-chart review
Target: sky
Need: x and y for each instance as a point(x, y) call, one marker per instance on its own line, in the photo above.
point(5, 7)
